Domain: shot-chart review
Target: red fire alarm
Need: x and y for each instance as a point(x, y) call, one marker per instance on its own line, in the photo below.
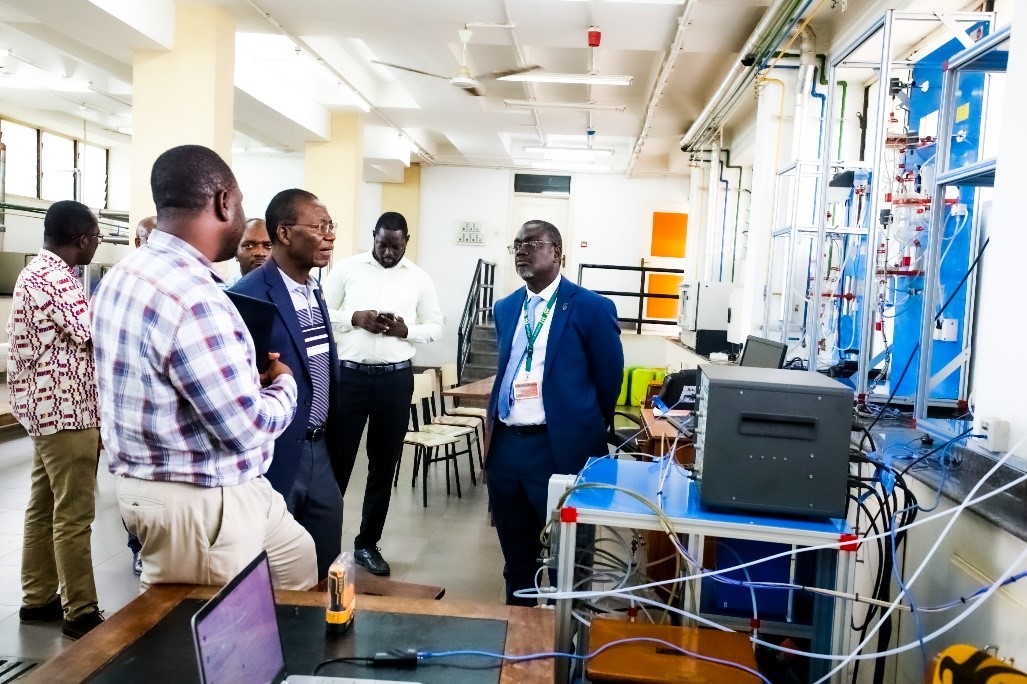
point(594, 36)
point(584, 243)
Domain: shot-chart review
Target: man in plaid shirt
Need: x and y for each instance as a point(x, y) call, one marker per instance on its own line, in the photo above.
point(53, 395)
point(189, 425)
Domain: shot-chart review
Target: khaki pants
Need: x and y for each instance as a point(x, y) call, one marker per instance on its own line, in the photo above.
point(206, 535)
point(58, 522)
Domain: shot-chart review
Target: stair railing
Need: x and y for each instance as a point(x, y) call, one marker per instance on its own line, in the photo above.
point(477, 309)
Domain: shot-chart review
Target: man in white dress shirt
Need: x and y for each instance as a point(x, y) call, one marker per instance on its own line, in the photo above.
point(381, 304)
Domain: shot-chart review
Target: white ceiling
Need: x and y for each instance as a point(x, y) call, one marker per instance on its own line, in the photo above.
point(94, 40)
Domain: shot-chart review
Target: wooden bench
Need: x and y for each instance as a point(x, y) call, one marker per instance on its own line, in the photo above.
point(372, 585)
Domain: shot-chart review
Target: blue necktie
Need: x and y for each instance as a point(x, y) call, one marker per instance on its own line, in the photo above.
point(519, 348)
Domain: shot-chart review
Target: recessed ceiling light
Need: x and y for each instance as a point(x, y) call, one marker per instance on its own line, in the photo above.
point(585, 79)
point(529, 104)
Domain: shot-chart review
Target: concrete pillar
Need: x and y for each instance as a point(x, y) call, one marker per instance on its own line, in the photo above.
point(405, 198)
point(184, 96)
point(334, 171)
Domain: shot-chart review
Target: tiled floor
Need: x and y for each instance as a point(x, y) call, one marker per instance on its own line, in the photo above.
point(450, 543)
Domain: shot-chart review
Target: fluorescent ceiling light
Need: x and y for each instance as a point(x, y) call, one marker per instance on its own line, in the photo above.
point(127, 130)
point(595, 151)
point(563, 105)
point(587, 79)
point(61, 85)
point(569, 166)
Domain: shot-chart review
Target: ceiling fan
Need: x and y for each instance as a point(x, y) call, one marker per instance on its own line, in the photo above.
point(464, 79)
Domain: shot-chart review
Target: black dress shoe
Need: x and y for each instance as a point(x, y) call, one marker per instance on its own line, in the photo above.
point(73, 629)
point(47, 613)
point(373, 561)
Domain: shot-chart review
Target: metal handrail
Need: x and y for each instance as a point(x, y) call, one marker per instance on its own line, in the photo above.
point(477, 309)
point(642, 295)
point(117, 232)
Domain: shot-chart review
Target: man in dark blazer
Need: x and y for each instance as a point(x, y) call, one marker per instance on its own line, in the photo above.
point(560, 369)
point(307, 467)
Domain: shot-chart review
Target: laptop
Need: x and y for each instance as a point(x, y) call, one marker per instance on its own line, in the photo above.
point(236, 634)
point(760, 352)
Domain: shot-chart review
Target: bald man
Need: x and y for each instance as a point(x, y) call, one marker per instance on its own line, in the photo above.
point(144, 229)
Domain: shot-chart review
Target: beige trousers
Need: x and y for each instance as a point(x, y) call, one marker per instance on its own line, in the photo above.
point(58, 522)
point(206, 535)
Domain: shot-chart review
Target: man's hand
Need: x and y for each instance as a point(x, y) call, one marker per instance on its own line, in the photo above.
point(371, 321)
point(274, 369)
point(395, 327)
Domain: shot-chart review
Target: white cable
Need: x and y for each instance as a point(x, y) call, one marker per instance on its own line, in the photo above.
point(912, 644)
point(923, 564)
point(968, 502)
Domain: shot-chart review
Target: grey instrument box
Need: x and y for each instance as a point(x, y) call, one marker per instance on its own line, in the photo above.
point(772, 441)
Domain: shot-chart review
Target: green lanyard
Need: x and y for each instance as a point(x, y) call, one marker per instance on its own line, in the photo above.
point(532, 335)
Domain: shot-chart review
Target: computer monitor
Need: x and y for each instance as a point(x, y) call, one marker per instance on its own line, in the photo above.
point(763, 353)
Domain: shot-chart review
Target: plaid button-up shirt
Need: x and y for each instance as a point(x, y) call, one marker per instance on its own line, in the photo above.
point(50, 374)
point(179, 392)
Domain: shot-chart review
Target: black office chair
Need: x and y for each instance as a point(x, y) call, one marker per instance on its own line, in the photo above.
point(629, 438)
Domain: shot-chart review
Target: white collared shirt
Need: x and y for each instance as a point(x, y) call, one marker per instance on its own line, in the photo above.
point(531, 411)
point(360, 283)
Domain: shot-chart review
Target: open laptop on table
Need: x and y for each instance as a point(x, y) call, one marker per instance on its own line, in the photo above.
point(236, 634)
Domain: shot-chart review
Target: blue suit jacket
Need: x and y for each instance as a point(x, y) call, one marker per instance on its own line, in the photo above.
point(583, 371)
point(265, 283)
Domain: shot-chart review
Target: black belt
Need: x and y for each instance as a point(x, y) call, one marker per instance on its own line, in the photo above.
point(525, 429)
point(314, 434)
point(375, 368)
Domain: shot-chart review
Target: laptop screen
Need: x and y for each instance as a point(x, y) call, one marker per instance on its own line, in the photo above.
point(236, 632)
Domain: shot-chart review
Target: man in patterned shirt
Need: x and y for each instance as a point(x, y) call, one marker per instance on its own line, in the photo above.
point(188, 424)
point(53, 394)
point(307, 468)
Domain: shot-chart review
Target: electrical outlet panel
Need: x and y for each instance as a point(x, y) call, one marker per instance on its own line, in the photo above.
point(996, 434)
point(946, 330)
point(470, 233)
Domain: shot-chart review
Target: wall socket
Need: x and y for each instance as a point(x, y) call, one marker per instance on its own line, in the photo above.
point(996, 434)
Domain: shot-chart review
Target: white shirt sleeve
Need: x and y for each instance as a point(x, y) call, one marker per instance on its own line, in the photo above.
point(430, 321)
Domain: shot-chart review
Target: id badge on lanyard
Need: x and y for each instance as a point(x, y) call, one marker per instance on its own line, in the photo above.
point(529, 380)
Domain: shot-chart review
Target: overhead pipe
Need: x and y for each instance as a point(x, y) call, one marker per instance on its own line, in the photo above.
point(656, 94)
point(768, 32)
point(529, 87)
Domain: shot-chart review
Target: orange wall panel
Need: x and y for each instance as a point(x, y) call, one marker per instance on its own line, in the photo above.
point(669, 231)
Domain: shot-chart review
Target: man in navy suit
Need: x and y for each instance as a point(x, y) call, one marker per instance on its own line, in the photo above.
point(560, 368)
point(307, 468)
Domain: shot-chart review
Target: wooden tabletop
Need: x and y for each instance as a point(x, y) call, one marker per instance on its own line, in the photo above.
point(528, 630)
point(479, 389)
point(656, 428)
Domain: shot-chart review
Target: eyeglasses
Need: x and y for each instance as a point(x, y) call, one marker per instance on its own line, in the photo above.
point(324, 228)
point(250, 246)
point(528, 246)
point(96, 235)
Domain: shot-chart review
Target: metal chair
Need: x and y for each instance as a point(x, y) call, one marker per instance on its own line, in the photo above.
point(426, 446)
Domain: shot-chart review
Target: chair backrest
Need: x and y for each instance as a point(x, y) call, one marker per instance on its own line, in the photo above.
point(424, 386)
point(449, 376)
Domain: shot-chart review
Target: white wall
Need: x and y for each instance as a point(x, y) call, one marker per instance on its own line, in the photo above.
point(451, 194)
point(119, 177)
point(261, 178)
point(611, 213)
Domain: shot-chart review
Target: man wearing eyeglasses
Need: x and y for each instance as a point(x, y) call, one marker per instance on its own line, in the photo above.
point(307, 468)
point(52, 380)
point(560, 367)
point(382, 304)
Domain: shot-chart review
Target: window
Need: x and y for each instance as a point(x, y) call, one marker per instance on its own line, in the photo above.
point(57, 163)
point(44, 165)
point(22, 159)
point(92, 164)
